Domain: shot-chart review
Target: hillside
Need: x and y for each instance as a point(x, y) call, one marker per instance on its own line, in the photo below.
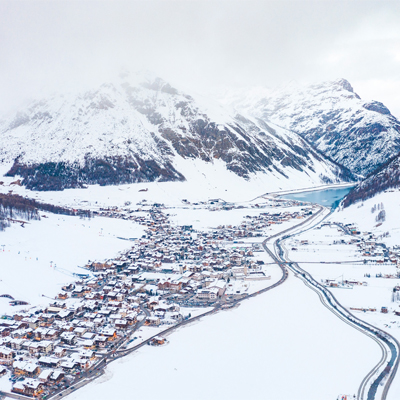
point(139, 128)
point(359, 134)
point(386, 177)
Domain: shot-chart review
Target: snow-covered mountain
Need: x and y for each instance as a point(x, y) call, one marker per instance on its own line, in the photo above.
point(139, 128)
point(384, 178)
point(358, 134)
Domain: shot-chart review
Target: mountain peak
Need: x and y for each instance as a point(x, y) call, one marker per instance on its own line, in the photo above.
point(357, 134)
point(140, 129)
point(345, 84)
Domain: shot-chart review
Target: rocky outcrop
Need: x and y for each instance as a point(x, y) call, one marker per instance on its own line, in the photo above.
point(331, 116)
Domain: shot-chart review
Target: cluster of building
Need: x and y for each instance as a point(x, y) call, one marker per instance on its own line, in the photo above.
point(45, 349)
point(371, 249)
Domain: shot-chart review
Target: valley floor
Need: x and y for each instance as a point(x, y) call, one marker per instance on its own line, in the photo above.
point(283, 344)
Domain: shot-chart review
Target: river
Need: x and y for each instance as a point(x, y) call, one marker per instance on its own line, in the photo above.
point(326, 197)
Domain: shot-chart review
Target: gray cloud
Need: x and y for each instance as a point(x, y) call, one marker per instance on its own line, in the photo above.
point(56, 45)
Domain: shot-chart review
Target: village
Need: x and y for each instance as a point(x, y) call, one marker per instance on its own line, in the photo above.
point(167, 273)
point(366, 252)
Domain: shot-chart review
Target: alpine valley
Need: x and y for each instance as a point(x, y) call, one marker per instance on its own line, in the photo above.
point(155, 239)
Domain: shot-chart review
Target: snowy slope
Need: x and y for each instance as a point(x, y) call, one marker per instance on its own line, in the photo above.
point(387, 177)
point(41, 257)
point(140, 129)
point(358, 134)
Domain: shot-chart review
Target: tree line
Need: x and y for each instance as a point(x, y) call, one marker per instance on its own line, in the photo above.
point(16, 207)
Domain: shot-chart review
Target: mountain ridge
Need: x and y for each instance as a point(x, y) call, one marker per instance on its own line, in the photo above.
point(359, 134)
point(135, 129)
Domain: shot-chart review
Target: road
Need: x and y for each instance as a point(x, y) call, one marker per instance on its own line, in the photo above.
point(98, 369)
point(390, 347)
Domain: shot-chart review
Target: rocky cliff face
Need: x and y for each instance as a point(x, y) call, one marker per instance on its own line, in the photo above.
point(358, 134)
point(136, 128)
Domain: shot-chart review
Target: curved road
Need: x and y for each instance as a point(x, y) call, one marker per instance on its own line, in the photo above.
point(389, 345)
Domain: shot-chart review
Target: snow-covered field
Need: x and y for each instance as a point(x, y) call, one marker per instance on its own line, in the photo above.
point(360, 213)
point(281, 345)
point(204, 181)
point(40, 258)
point(345, 262)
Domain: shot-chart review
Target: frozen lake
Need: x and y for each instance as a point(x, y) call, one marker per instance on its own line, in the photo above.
point(327, 197)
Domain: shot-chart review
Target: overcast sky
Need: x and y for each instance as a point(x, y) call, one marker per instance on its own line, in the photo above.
point(54, 45)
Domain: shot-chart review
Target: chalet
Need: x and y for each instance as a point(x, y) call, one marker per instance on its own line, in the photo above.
point(46, 319)
point(109, 333)
point(20, 316)
point(121, 324)
point(54, 310)
point(87, 344)
point(236, 259)
point(78, 292)
point(207, 294)
point(100, 341)
point(175, 286)
point(99, 320)
point(88, 335)
point(39, 333)
point(69, 364)
point(62, 295)
point(87, 354)
point(159, 314)
point(33, 323)
point(164, 285)
point(152, 321)
point(79, 331)
point(68, 337)
point(51, 334)
point(175, 316)
point(99, 266)
point(32, 347)
point(16, 344)
point(131, 318)
point(25, 368)
point(60, 352)
point(6, 355)
point(158, 340)
point(4, 331)
point(45, 346)
point(219, 286)
point(153, 302)
point(65, 315)
point(49, 362)
point(44, 376)
point(68, 288)
point(28, 387)
point(57, 376)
